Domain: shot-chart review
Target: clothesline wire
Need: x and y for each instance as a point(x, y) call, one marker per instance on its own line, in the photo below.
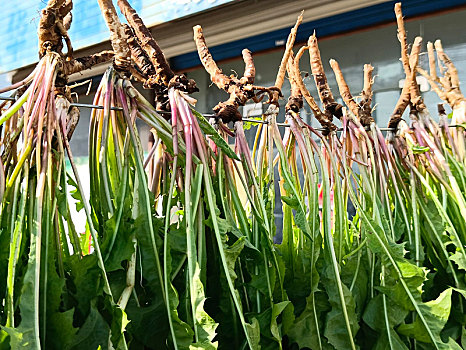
point(91, 106)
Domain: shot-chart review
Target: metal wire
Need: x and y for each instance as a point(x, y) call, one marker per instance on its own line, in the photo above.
point(84, 105)
point(79, 105)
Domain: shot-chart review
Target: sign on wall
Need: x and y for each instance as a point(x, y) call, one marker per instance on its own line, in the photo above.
point(20, 20)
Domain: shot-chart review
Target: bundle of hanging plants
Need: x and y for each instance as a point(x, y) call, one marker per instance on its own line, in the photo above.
point(45, 276)
point(180, 249)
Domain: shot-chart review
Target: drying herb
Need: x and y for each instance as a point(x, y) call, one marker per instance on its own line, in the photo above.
point(180, 248)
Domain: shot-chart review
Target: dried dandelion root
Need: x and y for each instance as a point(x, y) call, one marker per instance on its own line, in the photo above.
point(53, 26)
point(402, 38)
point(366, 96)
point(52, 29)
point(307, 95)
point(295, 101)
point(330, 107)
point(153, 69)
point(432, 67)
point(446, 86)
point(228, 110)
point(87, 62)
point(404, 98)
point(138, 55)
point(283, 65)
point(216, 75)
point(361, 110)
point(432, 83)
point(410, 92)
point(414, 92)
point(163, 72)
point(118, 37)
point(344, 89)
point(401, 105)
point(240, 90)
point(249, 69)
point(452, 72)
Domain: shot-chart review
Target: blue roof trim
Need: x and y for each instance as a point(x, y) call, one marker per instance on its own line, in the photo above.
point(340, 23)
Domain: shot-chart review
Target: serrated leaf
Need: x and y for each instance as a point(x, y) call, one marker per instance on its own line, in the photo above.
point(376, 315)
point(292, 202)
point(404, 287)
point(206, 325)
point(75, 193)
point(277, 309)
point(253, 330)
point(459, 259)
point(335, 326)
point(93, 333)
point(214, 135)
point(437, 312)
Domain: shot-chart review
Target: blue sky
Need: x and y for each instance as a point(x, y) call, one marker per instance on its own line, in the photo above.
point(18, 24)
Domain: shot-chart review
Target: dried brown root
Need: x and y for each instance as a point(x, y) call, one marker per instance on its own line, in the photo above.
point(65, 24)
point(402, 38)
point(64, 33)
point(446, 86)
point(414, 92)
point(330, 107)
point(432, 67)
point(66, 8)
point(452, 72)
point(216, 75)
point(228, 110)
point(240, 90)
point(140, 78)
point(295, 90)
point(294, 104)
point(249, 69)
point(404, 99)
point(118, 37)
point(441, 110)
point(283, 65)
point(401, 105)
point(361, 110)
point(410, 93)
point(54, 23)
point(138, 55)
point(366, 95)
point(151, 75)
point(87, 62)
point(260, 91)
point(295, 101)
point(344, 89)
point(163, 72)
point(436, 88)
point(67, 21)
point(52, 29)
point(296, 78)
point(450, 80)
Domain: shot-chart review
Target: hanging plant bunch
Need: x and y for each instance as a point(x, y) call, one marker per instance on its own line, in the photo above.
point(180, 249)
point(42, 255)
